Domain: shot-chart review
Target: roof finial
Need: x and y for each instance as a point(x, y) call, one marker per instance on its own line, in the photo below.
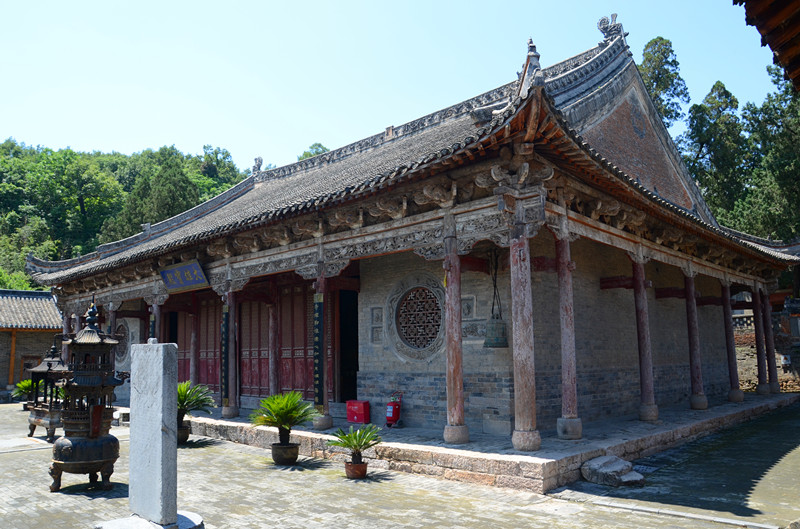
point(533, 55)
point(610, 29)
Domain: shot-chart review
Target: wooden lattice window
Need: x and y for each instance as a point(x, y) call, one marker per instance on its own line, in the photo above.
point(419, 318)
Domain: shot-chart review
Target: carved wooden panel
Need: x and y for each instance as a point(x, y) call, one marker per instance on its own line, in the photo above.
point(254, 340)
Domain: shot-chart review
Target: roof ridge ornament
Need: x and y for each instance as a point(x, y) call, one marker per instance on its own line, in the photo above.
point(610, 29)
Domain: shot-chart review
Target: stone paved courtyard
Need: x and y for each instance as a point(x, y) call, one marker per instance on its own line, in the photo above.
point(233, 485)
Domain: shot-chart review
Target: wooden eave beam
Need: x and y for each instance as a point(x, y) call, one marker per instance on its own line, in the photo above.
point(771, 15)
point(783, 33)
point(608, 283)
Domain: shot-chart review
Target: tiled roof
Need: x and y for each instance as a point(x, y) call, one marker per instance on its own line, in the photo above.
point(367, 166)
point(27, 309)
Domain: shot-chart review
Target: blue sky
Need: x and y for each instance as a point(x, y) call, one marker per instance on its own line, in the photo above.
point(270, 78)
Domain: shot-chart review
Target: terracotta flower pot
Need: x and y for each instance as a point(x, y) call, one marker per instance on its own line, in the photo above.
point(285, 454)
point(355, 470)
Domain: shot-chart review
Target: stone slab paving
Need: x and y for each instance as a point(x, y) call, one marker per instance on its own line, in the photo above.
point(491, 460)
point(236, 485)
point(750, 473)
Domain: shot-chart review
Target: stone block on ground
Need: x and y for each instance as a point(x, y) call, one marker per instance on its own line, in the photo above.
point(611, 470)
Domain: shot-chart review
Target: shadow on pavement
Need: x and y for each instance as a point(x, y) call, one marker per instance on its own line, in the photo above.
point(200, 442)
point(303, 464)
point(118, 490)
point(720, 472)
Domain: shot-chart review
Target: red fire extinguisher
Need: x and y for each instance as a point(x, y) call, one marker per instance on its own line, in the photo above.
point(393, 409)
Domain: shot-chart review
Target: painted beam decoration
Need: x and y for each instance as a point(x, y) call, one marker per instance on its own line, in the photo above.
point(183, 276)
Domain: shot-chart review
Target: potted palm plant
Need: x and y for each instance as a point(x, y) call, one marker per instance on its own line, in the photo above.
point(283, 411)
point(192, 398)
point(24, 390)
point(357, 441)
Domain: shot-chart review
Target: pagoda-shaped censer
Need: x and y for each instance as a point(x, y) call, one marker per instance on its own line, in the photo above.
point(87, 447)
point(49, 376)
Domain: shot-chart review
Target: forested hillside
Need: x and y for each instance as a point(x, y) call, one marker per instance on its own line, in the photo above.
point(62, 204)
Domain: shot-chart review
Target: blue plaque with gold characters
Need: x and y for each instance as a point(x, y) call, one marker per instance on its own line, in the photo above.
point(183, 276)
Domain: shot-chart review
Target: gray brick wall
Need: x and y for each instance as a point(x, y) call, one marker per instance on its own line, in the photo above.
point(605, 333)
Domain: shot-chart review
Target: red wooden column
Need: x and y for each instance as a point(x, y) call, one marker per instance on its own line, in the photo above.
point(525, 436)
point(455, 431)
point(66, 318)
point(735, 394)
point(698, 400)
point(194, 346)
point(231, 407)
point(569, 425)
point(761, 355)
point(272, 316)
point(769, 338)
point(648, 409)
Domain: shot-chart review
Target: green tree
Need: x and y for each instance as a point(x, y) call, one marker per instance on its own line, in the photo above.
point(717, 150)
point(153, 199)
point(314, 150)
point(660, 72)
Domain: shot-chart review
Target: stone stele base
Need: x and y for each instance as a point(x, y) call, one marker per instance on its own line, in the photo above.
point(569, 428)
point(457, 435)
point(186, 520)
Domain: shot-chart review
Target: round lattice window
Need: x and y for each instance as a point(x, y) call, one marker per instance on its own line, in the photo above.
point(419, 318)
point(415, 310)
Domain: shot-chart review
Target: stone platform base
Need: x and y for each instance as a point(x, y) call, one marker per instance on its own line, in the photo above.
point(492, 460)
point(186, 520)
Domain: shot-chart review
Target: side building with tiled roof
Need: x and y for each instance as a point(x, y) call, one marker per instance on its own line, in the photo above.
point(29, 321)
point(530, 258)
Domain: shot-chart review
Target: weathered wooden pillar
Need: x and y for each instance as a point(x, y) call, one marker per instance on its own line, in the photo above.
point(272, 315)
point(230, 397)
point(761, 356)
point(569, 425)
point(769, 349)
point(735, 394)
point(12, 360)
point(66, 319)
point(698, 400)
point(194, 346)
point(320, 354)
point(456, 430)
point(155, 321)
point(525, 436)
point(648, 409)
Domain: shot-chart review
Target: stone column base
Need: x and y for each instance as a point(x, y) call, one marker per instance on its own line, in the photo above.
point(698, 402)
point(775, 387)
point(569, 428)
point(229, 412)
point(526, 440)
point(648, 412)
point(456, 434)
point(324, 422)
point(762, 389)
point(736, 395)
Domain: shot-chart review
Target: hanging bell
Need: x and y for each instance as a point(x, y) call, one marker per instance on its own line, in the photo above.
point(496, 335)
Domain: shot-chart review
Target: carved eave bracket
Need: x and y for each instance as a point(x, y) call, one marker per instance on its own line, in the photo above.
point(440, 194)
point(351, 218)
point(393, 207)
